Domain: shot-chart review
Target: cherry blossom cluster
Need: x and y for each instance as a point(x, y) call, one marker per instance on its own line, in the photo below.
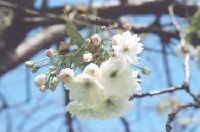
point(107, 81)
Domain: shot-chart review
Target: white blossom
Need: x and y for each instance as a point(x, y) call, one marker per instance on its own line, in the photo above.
point(86, 89)
point(87, 57)
point(112, 107)
point(109, 107)
point(81, 110)
point(117, 78)
point(66, 75)
point(116, 39)
point(92, 70)
point(127, 46)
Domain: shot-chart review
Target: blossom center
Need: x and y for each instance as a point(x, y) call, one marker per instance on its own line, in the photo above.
point(87, 84)
point(109, 102)
point(113, 74)
point(126, 48)
point(91, 72)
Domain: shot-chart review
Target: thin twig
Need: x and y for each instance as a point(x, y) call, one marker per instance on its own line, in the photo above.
point(173, 114)
point(156, 92)
point(187, 68)
point(126, 124)
point(166, 65)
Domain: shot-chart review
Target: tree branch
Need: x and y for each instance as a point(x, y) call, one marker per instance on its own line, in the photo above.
point(68, 117)
point(33, 45)
point(126, 124)
point(173, 114)
point(156, 92)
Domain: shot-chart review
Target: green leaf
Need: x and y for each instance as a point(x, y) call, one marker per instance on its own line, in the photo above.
point(74, 34)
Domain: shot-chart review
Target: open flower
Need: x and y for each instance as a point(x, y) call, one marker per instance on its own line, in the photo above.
point(92, 70)
point(112, 107)
point(109, 107)
point(127, 47)
point(117, 78)
point(86, 89)
point(66, 75)
point(81, 110)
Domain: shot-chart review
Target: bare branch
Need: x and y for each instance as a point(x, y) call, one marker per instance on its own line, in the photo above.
point(156, 92)
point(33, 45)
point(166, 65)
point(155, 7)
point(187, 69)
point(126, 124)
point(173, 114)
point(68, 117)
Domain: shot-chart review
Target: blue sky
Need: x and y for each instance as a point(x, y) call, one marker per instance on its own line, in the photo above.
point(142, 117)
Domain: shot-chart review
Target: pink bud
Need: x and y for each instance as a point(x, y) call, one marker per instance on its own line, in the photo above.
point(40, 80)
point(127, 26)
point(95, 39)
point(50, 52)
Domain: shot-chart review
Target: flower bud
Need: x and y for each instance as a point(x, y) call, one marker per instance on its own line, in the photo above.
point(103, 28)
point(54, 83)
point(146, 71)
point(67, 8)
point(53, 73)
point(43, 88)
point(52, 68)
point(40, 81)
point(83, 16)
point(95, 39)
point(66, 75)
point(34, 69)
point(88, 41)
point(29, 64)
point(87, 57)
point(50, 52)
point(127, 26)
